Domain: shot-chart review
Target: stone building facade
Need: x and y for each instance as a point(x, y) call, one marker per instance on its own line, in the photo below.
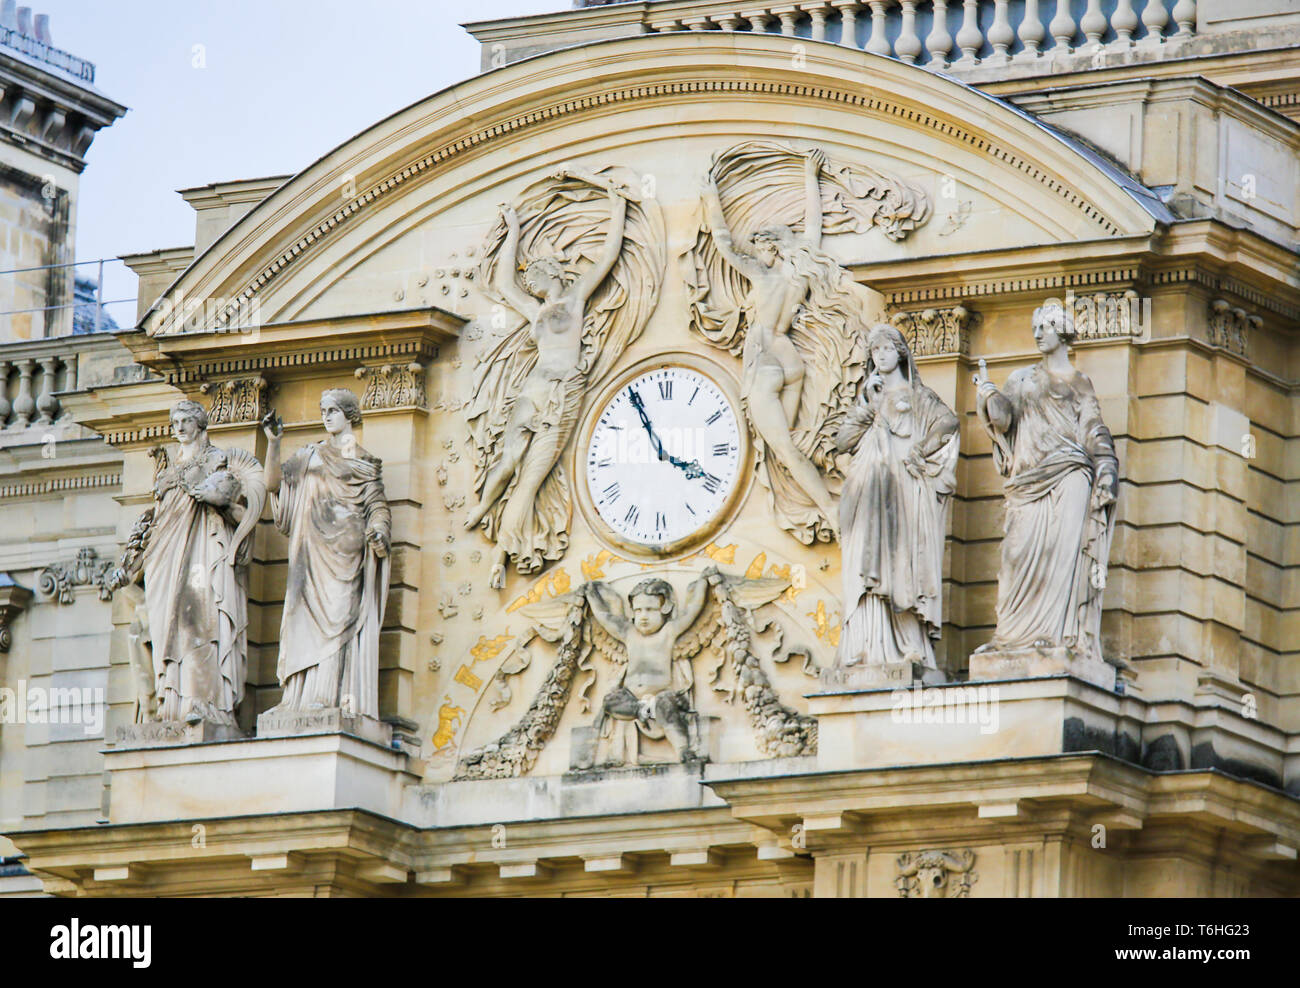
point(1139, 165)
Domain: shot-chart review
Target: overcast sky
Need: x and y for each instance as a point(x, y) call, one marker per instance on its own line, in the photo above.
point(276, 84)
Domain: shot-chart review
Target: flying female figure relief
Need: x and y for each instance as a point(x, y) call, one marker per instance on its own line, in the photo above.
point(762, 287)
point(578, 319)
point(772, 370)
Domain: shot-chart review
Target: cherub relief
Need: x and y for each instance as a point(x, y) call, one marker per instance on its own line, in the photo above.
point(651, 644)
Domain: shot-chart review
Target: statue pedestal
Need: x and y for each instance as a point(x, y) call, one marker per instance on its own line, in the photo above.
point(155, 733)
point(1033, 663)
point(309, 772)
point(881, 675)
point(331, 720)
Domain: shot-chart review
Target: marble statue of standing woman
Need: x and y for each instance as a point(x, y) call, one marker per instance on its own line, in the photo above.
point(1059, 460)
point(894, 510)
point(328, 498)
point(191, 547)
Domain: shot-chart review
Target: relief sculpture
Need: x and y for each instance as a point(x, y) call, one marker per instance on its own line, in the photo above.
point(590, 252)
point(763, 288)
point(649, 637)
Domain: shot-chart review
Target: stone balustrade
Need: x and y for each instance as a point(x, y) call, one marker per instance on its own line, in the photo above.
point(30, 378)
point(950, 34)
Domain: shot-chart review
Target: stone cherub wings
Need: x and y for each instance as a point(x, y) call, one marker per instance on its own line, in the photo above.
point(725, 622)
point(761, 185)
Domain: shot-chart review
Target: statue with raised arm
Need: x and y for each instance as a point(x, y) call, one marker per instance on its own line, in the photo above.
point(590, 250)
point(192, 548)
point(654, 691)
point(328, 498)
point(1051, 444)
point(894, 510)
point(763, 288)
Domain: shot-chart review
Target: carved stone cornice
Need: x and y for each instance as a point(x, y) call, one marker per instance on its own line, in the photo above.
point(295, 349)
point(60, 485)
point(931, 332)
point(237, 399)
point(393, 386)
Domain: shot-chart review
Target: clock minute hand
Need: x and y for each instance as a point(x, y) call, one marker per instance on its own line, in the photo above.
point(693, 470)
point(635, 398)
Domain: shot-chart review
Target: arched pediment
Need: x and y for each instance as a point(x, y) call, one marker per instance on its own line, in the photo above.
point(356, 231)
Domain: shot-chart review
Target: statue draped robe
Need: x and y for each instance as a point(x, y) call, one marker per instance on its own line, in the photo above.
point(1055, 545)
point(892, 528)
point(195, 598)
point(337, 585)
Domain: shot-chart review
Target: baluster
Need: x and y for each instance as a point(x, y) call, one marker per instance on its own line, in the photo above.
point(1031, 31)
point(757, 20)
point(908, 44)
point(848, 21)
point(1185, 15)
point(969, 38)
point(788, 17)
point(1001, 37)
point(1155, 17)
point(661, 27)
point(939, 42)
point(24, 405)
point(1093, 24)
point(878, 43)
point(697, 24)
point(817, 11)
point(46, 404)
point(1062, 28)
point(6, 406)
point(1125, 22)
point(727, 22)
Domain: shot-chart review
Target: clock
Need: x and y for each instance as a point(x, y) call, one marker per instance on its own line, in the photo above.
point(664, 458)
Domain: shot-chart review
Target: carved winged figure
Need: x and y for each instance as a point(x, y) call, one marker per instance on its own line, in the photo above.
point(192, 549)
point(652, 644)
point(591, 255)
point(762, 287)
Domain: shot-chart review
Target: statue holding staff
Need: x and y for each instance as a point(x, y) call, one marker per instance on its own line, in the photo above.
point(1051, 444)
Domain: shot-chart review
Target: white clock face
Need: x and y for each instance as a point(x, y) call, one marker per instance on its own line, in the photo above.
point(664, 457)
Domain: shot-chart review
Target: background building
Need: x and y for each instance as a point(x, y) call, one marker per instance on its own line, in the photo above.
point(1141, 163)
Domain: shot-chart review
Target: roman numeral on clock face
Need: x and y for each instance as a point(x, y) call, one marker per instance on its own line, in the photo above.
point(630, 517)
point(666, 390)
point(713, 418)
point(721, 449)
point(611, 491)
point(711, 483)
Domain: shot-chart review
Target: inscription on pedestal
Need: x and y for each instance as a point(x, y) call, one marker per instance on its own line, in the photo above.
point(155, 734)
point(289, 723)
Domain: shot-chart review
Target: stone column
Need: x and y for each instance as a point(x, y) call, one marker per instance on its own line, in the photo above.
point(46, 404)
point(24, 405)
point(6, 406)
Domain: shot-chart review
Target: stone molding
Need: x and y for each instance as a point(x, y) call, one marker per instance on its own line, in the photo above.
point(934, 331)
point(393, 386)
